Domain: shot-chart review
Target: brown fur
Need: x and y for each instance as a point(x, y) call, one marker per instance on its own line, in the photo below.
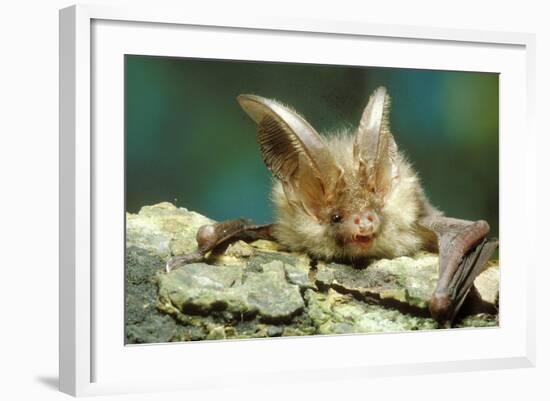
point(398, 234)
point(347, 196)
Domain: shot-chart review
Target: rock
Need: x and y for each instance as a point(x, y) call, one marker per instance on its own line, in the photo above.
point(217, 333)
point(275, 331)
point(257, 289)
point(478, 320)
point(270, 293)
point(405, 283)
point(164, 229)
point(239, 249)
point(488, 283)
point(143, 234)
point(299, 272)
point(335, 313)
point(204, 289)
point(144, 323)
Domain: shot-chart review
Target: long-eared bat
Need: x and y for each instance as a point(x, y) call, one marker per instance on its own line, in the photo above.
point(353, 196)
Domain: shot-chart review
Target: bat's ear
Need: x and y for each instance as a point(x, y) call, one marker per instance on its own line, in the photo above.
point(293, 151)
point(374, 149)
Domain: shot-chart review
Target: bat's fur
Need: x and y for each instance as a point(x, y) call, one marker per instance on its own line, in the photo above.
point(398, 233)
point(345, 196)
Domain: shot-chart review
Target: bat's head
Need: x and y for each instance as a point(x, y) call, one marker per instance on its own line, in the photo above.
point(353, 224)
point(331, 193)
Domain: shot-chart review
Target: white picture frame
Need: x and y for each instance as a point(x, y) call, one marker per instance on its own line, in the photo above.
point(91, 359)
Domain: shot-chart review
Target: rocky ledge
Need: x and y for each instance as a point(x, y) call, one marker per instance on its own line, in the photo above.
point(259, 290)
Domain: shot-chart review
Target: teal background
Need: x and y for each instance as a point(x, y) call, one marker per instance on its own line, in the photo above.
point(188, 141)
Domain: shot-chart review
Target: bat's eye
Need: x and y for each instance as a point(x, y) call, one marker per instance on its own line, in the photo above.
point(336, 218)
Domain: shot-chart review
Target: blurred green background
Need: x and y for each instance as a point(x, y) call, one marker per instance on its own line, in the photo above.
point(188, 141)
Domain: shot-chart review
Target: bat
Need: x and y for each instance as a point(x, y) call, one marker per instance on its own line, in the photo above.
point(352, 196)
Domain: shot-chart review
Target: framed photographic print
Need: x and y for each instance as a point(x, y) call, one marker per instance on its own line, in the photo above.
point(238, 193)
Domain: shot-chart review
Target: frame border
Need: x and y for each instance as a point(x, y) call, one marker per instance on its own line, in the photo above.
point(75, 169)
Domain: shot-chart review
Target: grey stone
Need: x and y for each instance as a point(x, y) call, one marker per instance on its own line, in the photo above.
point(335, 313)
point(202, 289)
point(163, 229)
point(258, 289)
point(144, 323)
point(270, 293)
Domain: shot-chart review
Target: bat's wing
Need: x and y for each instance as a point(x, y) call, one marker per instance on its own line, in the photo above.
point(464, 252)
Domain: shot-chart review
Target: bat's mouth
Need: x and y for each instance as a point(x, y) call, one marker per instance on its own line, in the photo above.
point(364, 241)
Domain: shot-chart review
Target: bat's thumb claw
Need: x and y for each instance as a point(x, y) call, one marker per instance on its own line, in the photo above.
point(172, 263)
point(168, 266)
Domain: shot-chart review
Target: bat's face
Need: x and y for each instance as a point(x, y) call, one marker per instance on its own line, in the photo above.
point(354, 218)
point(355, 229)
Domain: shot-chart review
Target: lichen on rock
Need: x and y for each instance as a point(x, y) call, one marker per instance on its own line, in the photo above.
point(336, 313)
point(405, 283)
point(232, 291)
point(258, 289)
point(164, 229)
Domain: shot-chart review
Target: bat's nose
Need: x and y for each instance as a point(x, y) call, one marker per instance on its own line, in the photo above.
point(365, 223)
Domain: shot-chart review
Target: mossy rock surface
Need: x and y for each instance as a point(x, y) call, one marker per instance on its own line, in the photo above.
point(257, 289)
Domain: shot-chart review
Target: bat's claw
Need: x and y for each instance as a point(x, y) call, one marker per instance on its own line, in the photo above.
point(170, 265)
point(177, 261)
